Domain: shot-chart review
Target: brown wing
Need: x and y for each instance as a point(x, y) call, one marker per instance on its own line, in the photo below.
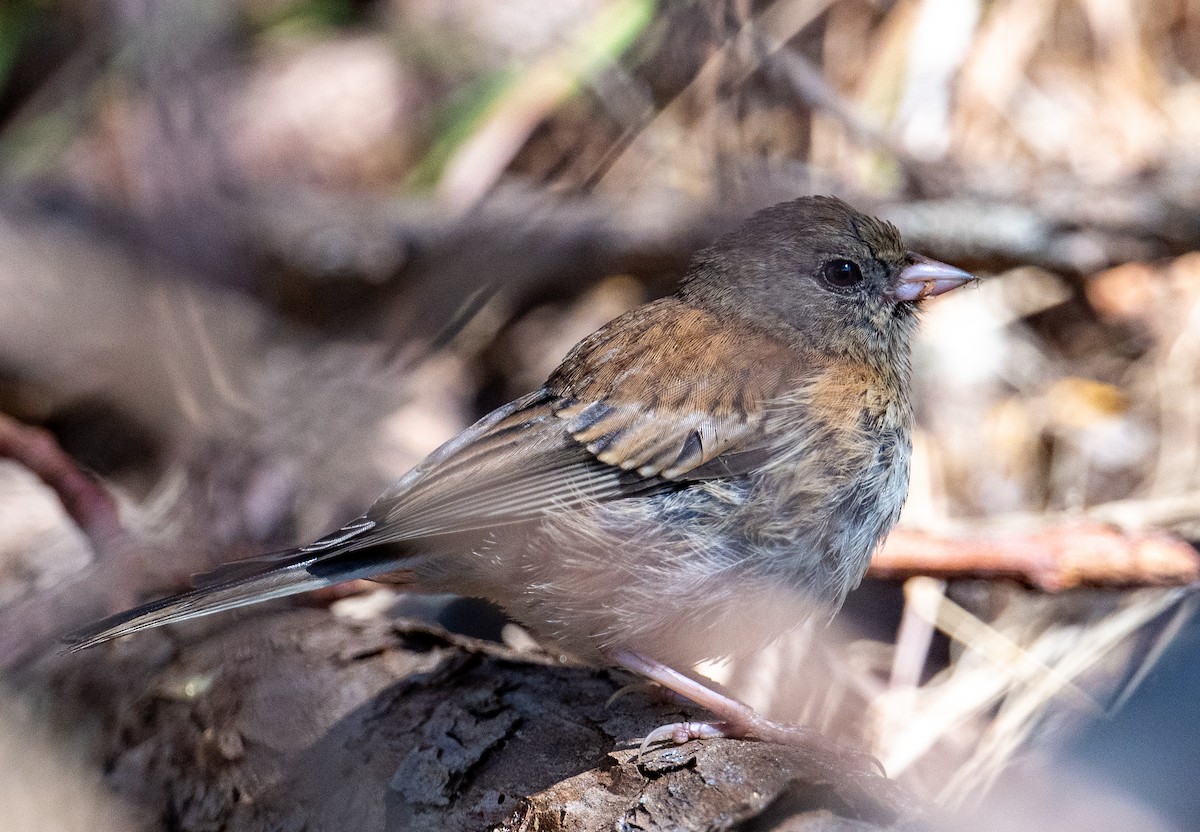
point(671, 393)
point(513, 465)
point(662, 394)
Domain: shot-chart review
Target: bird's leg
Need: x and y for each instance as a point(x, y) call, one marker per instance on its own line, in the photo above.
point(737, 719)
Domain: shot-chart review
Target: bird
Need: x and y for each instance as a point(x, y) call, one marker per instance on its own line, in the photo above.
point(697, 477)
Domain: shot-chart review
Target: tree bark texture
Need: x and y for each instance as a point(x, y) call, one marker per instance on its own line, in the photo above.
point(299, 720)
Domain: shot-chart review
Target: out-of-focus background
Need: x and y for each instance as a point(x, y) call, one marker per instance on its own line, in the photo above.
point(258, 257)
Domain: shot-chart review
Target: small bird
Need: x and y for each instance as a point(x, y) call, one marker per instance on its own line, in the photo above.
point(697, 477)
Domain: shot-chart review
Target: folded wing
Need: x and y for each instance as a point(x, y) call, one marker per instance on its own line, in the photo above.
point(643, 405)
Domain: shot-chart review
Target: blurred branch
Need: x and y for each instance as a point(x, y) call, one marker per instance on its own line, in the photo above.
point(1052, 559)
point(524, 242)
point(85, 500)
point(118, 573)
point(1067, 227)
point(415, 264)
point(811, 86)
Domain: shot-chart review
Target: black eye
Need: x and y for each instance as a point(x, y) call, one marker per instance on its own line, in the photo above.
point(841, 274)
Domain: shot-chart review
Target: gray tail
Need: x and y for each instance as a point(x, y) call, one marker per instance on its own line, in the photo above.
point(324, 563)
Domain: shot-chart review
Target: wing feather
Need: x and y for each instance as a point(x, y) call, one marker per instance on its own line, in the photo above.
point(654, 399)
point(670, 393)
point(603, 428)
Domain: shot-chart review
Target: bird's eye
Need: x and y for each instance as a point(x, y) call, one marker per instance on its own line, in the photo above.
point(841, 274)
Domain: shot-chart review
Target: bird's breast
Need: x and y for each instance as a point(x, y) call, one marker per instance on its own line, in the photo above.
point(836, 483)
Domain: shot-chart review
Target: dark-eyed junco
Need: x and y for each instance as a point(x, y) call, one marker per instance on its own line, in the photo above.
point(695, 478)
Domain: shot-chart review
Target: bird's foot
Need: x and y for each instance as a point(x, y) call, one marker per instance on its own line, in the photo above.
point(760, 728)
point(756, 728)
point(677, 733)
point(736, 720)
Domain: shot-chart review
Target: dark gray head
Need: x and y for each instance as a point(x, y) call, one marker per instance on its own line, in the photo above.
point(817, 268)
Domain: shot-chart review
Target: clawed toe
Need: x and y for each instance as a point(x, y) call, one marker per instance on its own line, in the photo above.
point(737, 719)
point(677, 733)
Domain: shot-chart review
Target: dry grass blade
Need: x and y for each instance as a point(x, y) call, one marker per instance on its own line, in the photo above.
point(974, 716)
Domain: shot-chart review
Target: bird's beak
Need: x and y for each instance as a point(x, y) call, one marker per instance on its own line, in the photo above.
point(924, 278)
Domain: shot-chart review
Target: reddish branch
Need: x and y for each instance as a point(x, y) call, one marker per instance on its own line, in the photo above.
point(1051, 559)
point(30, 624)
point(85, 500)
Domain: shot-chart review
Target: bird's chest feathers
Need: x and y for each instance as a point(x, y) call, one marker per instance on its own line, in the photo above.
point(843, 458)
point(835, 489)
point(846, 413)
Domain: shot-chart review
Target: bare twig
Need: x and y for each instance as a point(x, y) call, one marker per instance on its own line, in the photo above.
point(28, 624)
point(1051, 559)
point(85, 500)
point(811, 86)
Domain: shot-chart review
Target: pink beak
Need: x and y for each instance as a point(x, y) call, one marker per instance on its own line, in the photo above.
point(924, 278)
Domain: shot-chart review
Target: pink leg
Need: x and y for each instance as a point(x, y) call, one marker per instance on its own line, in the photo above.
point(737, 718)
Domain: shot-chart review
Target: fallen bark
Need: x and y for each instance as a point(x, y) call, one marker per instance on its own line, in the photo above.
point(301, 720)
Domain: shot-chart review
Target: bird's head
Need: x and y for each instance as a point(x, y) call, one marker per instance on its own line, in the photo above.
point(820, 271)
